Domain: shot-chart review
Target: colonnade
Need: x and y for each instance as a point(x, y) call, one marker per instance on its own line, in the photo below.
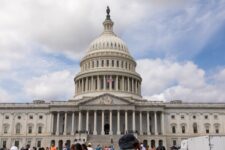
point(108, 82)
point(153, 118)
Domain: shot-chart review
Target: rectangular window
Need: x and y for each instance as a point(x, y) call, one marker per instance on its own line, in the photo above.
point(4, 143)
point(31, 117)
point(207, 131)
point(38, 143)
point(172, 117)
point(29, 129)
point(217, 130)
point(39, 129)
point(6, 117)
point(183, 129)
point(173, 129)
point(17, 143)
point(174, 142)
point(182, 117)
point(206, 117)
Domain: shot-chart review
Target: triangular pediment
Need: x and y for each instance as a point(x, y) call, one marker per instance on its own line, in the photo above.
point(106, 99)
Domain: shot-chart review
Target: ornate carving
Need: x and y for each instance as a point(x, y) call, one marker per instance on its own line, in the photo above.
point(106, 100)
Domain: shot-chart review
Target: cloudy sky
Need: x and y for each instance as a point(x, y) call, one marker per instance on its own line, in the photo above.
point(179, 46)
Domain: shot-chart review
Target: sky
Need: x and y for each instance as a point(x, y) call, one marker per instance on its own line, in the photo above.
point(179, 46)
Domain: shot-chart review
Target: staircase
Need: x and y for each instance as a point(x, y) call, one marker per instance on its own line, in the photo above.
point(104, 140)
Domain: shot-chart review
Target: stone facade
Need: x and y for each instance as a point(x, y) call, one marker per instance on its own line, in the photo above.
point(106, 105)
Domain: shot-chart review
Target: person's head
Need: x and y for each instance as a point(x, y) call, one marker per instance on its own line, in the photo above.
point(89, 144)
point(76, 146)
point(128, 141)
point(160, 143)
point(53, 144)
point(13, 148)
point(84, 147)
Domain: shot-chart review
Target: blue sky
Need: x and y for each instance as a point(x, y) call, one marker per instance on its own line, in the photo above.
point(178, 45)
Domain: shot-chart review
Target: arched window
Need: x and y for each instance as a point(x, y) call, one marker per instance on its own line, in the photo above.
point(18, 128)
point(195, 128)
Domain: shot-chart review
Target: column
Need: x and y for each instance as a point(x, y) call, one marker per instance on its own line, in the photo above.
point(86, 84)
point(162, 123)
point(126, 125)
point(132, 85)
point(110, 83)
point(148, 124)
point(57, 124)
point(116, 83)
point(118, 122)
point(65, 124)
point(95, 123)
point(110, 123)
point(51, 122)
point(92, 83)
point(103, 119)
point(128, 84)
point(104, 80)
point(87, 121)
point(98, 83)
point(79, 121)
point(82, 86)
point(72, 124)
point(156, 128)
point(122, 85)
point(140, 117)
point(134, 128)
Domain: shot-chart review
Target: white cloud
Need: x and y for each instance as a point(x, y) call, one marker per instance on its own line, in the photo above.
point(53, 86)
point(167, 80)
point(5, 96)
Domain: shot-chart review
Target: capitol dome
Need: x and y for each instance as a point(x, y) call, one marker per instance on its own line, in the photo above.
point(107, 67)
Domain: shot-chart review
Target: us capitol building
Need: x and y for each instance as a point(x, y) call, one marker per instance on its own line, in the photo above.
point(106, 105)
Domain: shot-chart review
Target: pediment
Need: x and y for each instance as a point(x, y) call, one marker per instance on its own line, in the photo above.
point(106, 99)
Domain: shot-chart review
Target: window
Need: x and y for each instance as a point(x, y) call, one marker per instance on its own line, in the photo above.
point(172, 117)
point(19, 117)
point(107, 63)
point(174, 142)
point(17, 143)
point(102, 63)
point(31, 117)
point(112, 63)
point(117, 63)
point(194, 117)
point(38, 143)
point(207, 130)
point(183, 129)
point(173, 129)
point(4, 143)
point(195, 128)
point(5, 128)
point(30, 129)
point(18, 127)
point(206, 116)
point(6, 117)
point(217, 130)
point(39, 129)
point(182, 117)
point(40, 117)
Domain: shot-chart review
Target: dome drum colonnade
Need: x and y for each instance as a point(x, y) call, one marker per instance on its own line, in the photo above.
point(108, 67)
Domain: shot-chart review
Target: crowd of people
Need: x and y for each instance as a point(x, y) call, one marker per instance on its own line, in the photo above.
point(126, 142)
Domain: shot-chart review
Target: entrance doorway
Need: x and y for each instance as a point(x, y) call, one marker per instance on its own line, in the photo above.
point(106, 128)
point(60, 146)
